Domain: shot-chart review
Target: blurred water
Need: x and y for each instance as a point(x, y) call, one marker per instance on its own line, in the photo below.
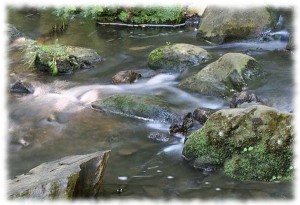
point(57, 120)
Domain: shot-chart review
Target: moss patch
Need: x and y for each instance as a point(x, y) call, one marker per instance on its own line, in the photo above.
point(231, 72)
point(143, 106)
point(175, 57)
point(253, 144)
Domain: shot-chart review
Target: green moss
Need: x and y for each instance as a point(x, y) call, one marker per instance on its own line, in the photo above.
point(150, 107)
point(25, 194)
point(54, 191)
point(259, 164)
point(156, 59)
point(255, 143)
point(72, 180)
point(199, 147)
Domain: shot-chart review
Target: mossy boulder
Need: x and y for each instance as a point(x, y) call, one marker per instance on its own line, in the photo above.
point(138, 106)
point(177, 57)
point(220, 25)
point(254, 143)
point(59, 59)
point(71, 177)
point(230, 73)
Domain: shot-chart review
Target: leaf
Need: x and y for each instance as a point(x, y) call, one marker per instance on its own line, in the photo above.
point(274, 177)
point(250, 148)
point(245, 149)
point(54, 68)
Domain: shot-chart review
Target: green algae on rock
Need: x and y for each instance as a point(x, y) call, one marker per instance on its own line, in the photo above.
point(59, 59)
point(255, 143)
point(177, 57)
point(139, 106)
point(229, 73)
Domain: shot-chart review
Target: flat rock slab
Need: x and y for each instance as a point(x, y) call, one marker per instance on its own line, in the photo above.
point(71, 177)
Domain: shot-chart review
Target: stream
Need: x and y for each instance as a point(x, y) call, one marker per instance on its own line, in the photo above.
point(57, 120)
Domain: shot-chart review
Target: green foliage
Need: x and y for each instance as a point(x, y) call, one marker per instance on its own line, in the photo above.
point(123, 16)
point(92, 11)
point(137, 15)
point(66, 12)
point(52, 65)
point(157, 14)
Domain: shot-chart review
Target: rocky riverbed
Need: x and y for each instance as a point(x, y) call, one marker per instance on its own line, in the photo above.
point(186, 113)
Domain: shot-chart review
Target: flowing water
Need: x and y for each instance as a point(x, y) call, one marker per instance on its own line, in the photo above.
point(57, 121)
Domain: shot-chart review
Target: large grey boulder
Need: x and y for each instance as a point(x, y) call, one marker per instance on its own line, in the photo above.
point(71, 177)
point(230, 73)
point(177, 57)
point(220, 25)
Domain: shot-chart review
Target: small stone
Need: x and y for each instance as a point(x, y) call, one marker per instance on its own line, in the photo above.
point(127, 76)
point(22, 87)
point(201, 114)
point(245, 98)
point(158, 137)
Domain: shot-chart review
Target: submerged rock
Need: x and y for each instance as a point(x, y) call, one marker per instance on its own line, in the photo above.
point(245, 99)
point(71, 177)
point(22, 87)
point(254, 143)
point(158, 137)
point(138, 106)
point(220, 25)
point(177, 57)
point(59, 59)
point(231, 72)
point(201, 114)
point(127, 76)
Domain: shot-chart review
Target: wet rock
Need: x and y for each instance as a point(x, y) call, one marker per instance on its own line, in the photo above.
point(146, 73)
point(59, 59)
point(183, 126)
point(245, 98)
point(127, 76)
point(158, 137)
point(201, 114)
point(126, 151)
point(254, 143)
point(231, 72)
point(177, 57)
point(219, 25)
point(22, 87)
point(137, 106)
point(71, 177)
point(13, 33)
point(291, 44)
